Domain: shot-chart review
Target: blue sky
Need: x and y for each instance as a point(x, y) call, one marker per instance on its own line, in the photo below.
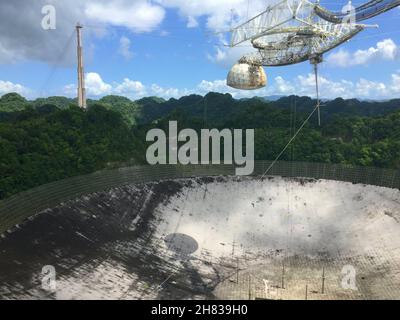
point(171, 48)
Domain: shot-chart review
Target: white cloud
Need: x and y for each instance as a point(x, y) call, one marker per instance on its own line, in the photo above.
point(225, 56)
point(362, 88)
point(395, 85)
point(138, 16)
point(220, 86)
point(341, 58)
point(192, 22)
point(328, 88)
point(367, 88)
point(23, 37)
point(95, 86)
point(8, 87)
point(220, 55)
point(156, 90)
point(26, 40)
point(216, 85)
point(302, 85)
point(220, 16)
point(283, 86)
point(385, 50)
point(8, 55)
point(219, 13)
point(125, 48)
point(130, 87)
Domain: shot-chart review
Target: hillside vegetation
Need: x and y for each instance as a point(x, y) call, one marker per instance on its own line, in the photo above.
point(51, 138)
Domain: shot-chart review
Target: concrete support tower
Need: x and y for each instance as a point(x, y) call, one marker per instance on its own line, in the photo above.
point(81, 74)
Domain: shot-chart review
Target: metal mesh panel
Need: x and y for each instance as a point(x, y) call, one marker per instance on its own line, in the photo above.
point(19, 207)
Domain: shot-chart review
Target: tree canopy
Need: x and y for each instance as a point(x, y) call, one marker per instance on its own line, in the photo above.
point(50, 139)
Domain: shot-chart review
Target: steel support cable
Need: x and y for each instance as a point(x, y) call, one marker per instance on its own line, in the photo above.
point(289, 233)
point(292, 139)
point(317, 92)
point(315, 62)
point(61, 57)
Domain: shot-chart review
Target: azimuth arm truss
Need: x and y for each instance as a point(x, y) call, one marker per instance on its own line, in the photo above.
point(363, 12)
point(281, 54)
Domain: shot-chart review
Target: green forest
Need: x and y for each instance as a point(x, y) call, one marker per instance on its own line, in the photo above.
point(48, 139)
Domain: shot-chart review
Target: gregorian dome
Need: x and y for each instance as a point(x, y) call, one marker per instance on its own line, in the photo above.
point(247, 76)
